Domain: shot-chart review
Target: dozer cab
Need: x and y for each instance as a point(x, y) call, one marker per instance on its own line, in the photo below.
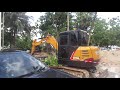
point(72, 49)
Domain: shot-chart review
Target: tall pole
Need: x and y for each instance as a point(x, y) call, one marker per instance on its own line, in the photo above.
point(0, 31)
point(3, 31)
point(68, 21)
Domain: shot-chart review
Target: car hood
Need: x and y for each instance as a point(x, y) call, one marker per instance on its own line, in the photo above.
point(50, 73)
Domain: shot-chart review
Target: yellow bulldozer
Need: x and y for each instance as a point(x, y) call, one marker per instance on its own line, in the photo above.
point(72, 49)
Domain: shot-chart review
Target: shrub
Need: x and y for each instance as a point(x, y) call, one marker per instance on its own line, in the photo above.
point(51, 61)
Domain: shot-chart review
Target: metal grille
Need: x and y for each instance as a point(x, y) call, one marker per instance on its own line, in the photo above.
point(85, 53)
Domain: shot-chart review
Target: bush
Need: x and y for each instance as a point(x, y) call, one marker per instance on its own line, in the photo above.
point(51, 61)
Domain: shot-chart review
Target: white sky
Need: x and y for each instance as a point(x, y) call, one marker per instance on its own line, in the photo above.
point(104, 15)
point(35, 15)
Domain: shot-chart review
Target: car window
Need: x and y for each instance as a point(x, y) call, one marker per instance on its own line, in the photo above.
point(17, 64)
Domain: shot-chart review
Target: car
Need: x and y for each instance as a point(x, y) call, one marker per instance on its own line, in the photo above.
point(20, 64)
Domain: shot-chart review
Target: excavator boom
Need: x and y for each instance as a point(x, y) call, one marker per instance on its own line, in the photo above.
point(48, 39)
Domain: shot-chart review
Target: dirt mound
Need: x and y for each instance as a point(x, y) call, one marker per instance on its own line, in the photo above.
point(110, 61)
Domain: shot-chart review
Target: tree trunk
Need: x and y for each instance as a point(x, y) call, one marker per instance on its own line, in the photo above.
point(28, 35)
point(11, 39)
point(68, 21)
point(14, 39)
point(92, 28)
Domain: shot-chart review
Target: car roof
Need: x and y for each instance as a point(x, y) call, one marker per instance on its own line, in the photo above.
point(11, 50)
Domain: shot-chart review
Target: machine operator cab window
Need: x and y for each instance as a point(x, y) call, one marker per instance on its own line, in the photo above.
point(82, 38)
point(78, 38)
point(73, 38)
point(63, 45)
point(64, 38)
point(69, 41)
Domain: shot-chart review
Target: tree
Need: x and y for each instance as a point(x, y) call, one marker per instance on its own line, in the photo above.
point(16, 23)
point(106, 33)
point(84, 20)
point(23, 43)
point(100, 33)
point(54, 22)
point(114, 24)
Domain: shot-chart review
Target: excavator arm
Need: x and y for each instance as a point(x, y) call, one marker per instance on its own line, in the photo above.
point(48, 39)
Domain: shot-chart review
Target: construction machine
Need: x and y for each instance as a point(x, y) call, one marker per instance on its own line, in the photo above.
point(72, 49)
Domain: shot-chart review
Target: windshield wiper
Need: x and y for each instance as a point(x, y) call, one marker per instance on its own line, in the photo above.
point(39, 69)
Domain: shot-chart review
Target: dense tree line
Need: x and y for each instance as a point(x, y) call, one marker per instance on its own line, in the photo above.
point(106, 33)
point(18, 30)
point(103, 33)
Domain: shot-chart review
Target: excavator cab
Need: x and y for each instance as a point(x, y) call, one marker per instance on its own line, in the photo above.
point(73, 50)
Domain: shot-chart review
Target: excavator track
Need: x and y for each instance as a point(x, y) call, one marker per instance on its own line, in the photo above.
point(79, 73)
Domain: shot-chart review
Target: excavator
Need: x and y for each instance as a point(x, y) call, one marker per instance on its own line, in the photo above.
point(72, 49)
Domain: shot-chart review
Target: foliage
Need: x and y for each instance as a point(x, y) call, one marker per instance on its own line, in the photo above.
point(51, 61)
point(54, 22)
point(84, 20)
point(23, 43)
point(99, 33)
point(15, 23)
point(106, 33)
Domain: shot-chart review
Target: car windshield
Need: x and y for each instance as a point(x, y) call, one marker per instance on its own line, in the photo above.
point(15, 64)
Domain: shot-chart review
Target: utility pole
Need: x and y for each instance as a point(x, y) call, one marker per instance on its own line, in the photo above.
point(68, 21)
point(3, 30)
point(0, 31)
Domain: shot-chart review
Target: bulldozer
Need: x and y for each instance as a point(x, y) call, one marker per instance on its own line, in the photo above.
point(72, 49)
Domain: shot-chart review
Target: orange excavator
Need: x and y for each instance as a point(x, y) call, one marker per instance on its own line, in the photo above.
point(48, 39)
point(72, 49)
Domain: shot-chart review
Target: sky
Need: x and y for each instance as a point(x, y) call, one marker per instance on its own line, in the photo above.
point(104, 15)
point(35, 16)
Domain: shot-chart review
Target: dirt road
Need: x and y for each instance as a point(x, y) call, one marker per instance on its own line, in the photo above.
point(109, 65)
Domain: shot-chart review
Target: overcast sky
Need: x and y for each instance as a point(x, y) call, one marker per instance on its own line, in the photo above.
point(104, 15)
point(35, 15)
